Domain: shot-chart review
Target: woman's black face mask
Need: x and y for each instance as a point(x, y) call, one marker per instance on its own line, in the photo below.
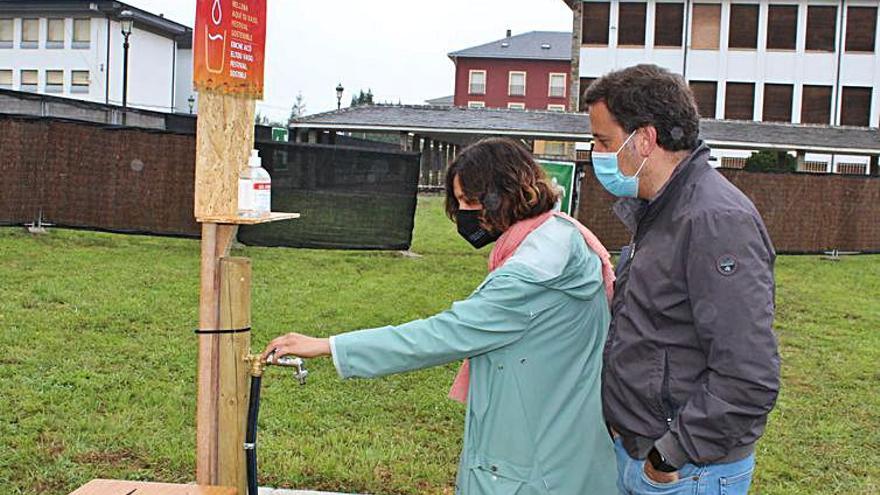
point(468, 222)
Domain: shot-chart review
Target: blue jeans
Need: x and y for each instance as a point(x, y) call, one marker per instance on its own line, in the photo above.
point(731, 478)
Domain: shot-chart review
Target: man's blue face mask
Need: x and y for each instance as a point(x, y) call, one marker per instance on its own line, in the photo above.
point(607, 170)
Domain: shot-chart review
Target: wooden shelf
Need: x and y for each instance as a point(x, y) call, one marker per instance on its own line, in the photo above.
point(271, 217)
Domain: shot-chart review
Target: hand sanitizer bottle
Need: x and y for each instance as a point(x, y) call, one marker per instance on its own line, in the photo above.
point(254, 189)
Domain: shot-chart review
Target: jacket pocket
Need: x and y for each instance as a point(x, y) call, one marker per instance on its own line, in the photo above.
point(656, 378)
point(487, 481)
point(497, 476)
point(505, 431)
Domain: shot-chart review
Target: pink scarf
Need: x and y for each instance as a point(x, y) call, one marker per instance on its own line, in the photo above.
point(504, 248)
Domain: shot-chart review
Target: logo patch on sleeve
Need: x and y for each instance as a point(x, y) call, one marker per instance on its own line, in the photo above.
point(727, 264)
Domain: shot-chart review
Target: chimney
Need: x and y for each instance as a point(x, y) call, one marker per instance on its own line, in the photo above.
point(508, 33)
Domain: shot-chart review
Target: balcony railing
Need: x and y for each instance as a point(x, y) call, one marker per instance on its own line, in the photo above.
point(852, 168)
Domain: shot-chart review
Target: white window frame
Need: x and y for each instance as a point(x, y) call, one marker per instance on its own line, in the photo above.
point(27, 86)
point(11, 78)
point(80, 88)
point(77, 43)
point(54, 88)
point(564, 84)
point(10, 22)
point(30, 43)
point(510, 75)
point(471, 82)
point(516, 106)
point(556, 108)
point(476, 104)
point(55, 43)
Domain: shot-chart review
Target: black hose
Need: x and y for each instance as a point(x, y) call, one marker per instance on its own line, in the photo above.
point(251, 435)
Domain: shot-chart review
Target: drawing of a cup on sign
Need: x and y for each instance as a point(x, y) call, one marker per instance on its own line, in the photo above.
point(215, 41)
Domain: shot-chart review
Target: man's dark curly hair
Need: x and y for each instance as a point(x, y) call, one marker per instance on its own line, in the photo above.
point(650, 95)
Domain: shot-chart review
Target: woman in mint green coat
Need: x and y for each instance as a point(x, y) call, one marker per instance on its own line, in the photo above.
point(532, 332)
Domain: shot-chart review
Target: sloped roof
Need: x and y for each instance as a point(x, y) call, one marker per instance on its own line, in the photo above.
point(425, 119)
point(536, 45)
point(564, 126)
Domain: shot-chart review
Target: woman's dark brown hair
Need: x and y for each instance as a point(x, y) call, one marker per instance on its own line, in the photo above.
point(501, 175)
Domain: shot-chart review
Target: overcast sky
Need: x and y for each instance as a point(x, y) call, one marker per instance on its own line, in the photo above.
point(396, 47)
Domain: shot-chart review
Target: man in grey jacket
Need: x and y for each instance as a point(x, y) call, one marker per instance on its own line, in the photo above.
point(691, 367)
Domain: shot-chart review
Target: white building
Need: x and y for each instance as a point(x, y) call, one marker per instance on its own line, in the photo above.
point(75, 49)
point(797, 61)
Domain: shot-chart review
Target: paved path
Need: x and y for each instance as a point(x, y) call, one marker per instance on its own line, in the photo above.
point(278, 491)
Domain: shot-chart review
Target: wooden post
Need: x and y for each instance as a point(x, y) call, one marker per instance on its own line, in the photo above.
point(801, 161)
point(216, 240)
point(446, 162)
point(416, 144)
point(425, 162)
point(432, 165)
point(224, 138)
point(235, 313)
point(443, 163)
point(404, 141)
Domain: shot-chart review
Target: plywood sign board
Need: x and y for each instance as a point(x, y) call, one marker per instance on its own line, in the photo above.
point(229, 46)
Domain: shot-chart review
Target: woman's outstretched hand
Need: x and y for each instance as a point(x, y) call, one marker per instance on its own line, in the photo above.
point(298, 345)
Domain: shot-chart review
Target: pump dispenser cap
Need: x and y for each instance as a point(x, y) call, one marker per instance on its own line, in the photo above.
point(255, 161)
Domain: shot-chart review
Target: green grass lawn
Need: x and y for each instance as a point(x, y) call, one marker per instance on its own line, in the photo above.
point(98, 366)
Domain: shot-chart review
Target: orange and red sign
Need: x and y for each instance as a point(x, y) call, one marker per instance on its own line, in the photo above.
point(229, 46)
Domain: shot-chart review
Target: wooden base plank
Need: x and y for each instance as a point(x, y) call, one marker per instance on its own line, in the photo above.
point(119, 487)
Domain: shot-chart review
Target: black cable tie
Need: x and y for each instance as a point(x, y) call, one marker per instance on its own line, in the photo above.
point(222, 331)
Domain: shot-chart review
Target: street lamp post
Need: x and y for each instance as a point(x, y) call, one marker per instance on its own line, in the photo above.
point(126, 18)
point(339, 91)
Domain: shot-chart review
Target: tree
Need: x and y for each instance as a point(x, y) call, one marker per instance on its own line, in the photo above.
point(771, 161)
point(362, 98)
point(298, 109)
point(260, 119)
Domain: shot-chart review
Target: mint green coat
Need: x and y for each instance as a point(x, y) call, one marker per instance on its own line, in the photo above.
point(534, 332)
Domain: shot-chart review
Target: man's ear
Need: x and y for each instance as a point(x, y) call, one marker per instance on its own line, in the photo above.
point(646, 140)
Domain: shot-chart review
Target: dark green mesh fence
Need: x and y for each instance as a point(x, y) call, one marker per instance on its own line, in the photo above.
point(348, 197)
point(124, 179)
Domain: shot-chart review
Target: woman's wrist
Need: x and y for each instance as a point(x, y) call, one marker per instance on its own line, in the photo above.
point(323, 347)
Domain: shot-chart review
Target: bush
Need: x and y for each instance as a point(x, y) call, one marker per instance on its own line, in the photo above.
point(771, 161)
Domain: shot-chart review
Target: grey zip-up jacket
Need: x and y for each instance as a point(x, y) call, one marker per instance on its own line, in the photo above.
point(691, 363)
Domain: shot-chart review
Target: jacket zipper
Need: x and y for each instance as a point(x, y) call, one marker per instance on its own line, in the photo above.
point(665, 394)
